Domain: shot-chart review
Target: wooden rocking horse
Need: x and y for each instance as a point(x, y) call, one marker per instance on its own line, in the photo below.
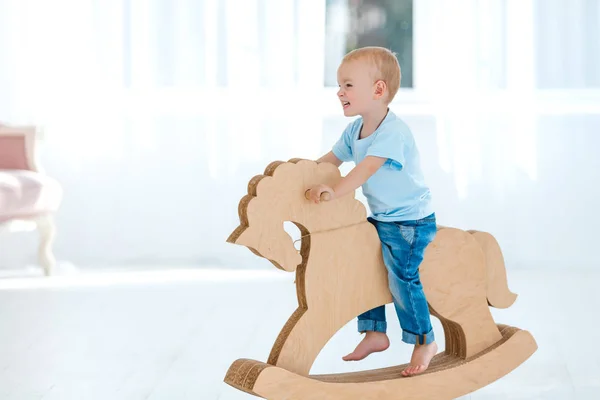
point(340, 274)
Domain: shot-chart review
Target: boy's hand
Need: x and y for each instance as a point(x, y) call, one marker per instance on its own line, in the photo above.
point(316, 191)
point(348, 184)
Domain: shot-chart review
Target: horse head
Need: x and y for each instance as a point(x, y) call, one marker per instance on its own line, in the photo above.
point(278, 196)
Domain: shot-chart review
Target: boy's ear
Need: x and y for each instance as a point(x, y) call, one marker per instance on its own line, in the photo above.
point(380, 88)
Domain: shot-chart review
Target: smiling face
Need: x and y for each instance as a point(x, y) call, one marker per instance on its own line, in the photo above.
point(359, 93)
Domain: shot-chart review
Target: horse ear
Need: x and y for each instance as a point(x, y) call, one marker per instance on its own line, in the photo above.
point(245, 239)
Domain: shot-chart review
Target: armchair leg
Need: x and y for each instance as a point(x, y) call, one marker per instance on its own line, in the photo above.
point(47, 230)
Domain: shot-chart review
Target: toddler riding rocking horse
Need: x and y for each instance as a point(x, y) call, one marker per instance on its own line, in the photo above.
point(463, 273)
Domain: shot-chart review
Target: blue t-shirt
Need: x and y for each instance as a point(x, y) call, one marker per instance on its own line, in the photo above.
point(397, 191)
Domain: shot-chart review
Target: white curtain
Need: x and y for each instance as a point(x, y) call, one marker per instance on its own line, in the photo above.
point(568, 37)
point(82, 65)
point(155, 110)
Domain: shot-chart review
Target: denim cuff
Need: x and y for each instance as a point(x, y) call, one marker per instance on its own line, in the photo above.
point(411, 338)
point(371, 325)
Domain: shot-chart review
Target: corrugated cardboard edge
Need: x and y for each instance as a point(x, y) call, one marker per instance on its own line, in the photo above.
point(243, 374)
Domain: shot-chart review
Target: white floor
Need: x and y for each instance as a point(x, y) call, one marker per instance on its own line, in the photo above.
point(172, 335)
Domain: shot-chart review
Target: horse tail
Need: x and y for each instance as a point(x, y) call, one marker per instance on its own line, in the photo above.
point(498, 293)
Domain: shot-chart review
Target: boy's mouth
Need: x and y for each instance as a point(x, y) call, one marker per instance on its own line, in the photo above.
point(345, 104)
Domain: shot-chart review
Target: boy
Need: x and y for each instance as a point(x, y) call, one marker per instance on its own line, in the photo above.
point(388, 169)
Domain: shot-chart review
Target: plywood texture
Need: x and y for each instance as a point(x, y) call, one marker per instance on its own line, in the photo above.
point(340, 274)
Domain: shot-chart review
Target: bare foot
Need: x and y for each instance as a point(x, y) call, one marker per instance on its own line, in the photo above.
point(373, 342)
point(422, 355)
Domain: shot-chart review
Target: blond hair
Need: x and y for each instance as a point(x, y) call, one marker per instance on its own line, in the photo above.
point(387, 67)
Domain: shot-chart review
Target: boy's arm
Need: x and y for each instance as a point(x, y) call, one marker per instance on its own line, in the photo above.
point(355, 179)
point(330, 158)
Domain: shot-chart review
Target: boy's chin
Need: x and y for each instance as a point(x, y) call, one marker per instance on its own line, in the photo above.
point(348, 112)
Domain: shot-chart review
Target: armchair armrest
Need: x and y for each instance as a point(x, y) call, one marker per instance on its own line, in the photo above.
point(17, 147)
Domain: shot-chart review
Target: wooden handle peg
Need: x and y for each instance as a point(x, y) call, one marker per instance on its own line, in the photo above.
point(325, 196)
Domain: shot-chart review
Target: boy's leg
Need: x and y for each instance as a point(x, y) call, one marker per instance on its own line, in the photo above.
point(373, 320)
point(404, 245)
point(374, 325)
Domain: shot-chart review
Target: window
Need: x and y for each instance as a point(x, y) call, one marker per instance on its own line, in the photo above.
point(357, 23)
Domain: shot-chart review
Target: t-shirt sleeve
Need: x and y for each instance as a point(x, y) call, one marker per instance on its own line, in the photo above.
point(390, 144)
point(343, 149)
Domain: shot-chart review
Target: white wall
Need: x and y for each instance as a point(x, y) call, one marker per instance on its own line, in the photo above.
point(153, 176)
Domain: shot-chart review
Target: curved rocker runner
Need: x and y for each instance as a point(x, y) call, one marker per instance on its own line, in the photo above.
point(463, 273)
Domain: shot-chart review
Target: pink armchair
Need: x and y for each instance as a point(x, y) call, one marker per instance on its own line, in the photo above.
point(28, 197)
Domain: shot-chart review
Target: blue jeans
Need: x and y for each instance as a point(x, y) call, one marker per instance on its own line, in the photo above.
point(403, 245)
